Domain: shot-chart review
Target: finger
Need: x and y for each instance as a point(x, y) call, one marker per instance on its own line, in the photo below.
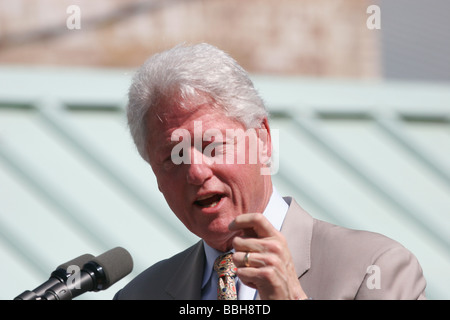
point(266, 280)
point(249, 244)
point(253, 224)
point(273, 245)
point(249, 260)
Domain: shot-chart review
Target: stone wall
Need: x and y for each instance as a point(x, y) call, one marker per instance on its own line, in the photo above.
point(306, 37)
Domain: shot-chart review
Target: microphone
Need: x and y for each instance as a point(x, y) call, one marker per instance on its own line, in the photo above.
point(98, 274)
point(60, 275)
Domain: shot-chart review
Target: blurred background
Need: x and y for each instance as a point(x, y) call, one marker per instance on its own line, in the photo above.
point(359, 92)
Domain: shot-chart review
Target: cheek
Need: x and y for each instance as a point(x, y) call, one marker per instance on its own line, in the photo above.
point(166, 179)
point(242, 173)
point(171, 188)
point(173, 195)
point(245, 182)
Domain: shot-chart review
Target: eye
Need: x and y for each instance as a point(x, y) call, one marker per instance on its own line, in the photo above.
point(172, 160)
point(214, 148)
point(221, 147)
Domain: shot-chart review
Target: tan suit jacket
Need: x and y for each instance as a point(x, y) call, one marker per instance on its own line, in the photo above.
point(331, 262)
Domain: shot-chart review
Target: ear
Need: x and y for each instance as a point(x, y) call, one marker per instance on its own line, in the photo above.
point(265, 138)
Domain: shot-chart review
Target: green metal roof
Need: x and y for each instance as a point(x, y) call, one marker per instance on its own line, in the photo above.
point(370, 155)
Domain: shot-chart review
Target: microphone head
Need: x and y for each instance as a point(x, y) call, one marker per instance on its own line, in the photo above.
point(116, 263)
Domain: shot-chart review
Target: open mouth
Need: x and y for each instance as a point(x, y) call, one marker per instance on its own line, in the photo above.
point(208, 201)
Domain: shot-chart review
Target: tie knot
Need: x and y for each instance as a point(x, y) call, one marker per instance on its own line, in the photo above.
point(224, 265)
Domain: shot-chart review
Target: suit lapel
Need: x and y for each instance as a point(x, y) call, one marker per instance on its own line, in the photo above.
point(186, 281)
point(297, 229)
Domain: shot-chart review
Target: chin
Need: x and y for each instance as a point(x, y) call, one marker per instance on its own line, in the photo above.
point(219, 236)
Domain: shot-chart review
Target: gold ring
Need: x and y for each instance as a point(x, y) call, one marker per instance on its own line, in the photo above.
point(247, 255)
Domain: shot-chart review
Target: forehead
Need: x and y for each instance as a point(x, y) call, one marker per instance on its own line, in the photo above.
point(171, 117)
point(206, 116)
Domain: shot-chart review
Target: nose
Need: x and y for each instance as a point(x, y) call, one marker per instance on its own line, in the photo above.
point(199, 170)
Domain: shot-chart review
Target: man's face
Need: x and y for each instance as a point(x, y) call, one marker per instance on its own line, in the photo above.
point(206, 196)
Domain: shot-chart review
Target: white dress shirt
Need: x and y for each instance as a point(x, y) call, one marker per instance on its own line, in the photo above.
point(275, 212)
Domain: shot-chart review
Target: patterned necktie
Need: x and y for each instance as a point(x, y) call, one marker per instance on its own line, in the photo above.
point(226, 270)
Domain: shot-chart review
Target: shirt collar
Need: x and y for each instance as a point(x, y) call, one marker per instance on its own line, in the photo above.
point(275, 212)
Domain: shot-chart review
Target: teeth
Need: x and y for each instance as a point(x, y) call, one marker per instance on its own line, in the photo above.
point(211, 205)
point(208, 201)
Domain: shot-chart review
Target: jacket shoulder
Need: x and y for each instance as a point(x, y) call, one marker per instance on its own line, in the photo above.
point(151, 283)
point(351, 261)
point(351, 241)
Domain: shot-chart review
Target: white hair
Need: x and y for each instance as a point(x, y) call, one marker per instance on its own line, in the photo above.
point(186, 73)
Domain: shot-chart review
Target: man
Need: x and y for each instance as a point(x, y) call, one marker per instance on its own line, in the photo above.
point(188, 108)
